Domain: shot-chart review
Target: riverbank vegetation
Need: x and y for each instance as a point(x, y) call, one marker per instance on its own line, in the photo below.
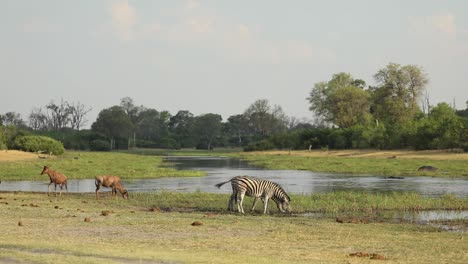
point(390, 163)
point(87, 165)
point(174, 227)
point(149, 163)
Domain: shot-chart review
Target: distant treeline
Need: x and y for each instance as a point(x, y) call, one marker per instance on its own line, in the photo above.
point(394, 114)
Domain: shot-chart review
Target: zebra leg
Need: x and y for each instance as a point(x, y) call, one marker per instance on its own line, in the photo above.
point(239, 204)
point(254, 203)
point(265, 204)
point(232, 199)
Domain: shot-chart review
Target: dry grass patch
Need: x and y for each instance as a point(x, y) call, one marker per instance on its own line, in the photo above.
point(131, 234)
point(406, 154)
point(16, 155)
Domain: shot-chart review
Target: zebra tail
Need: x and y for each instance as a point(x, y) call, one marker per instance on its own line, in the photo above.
point(221, 184)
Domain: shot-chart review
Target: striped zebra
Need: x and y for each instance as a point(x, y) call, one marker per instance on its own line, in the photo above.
point(257, 188)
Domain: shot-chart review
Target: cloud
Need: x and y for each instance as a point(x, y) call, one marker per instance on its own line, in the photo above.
point(192, 4)
point(124, 19)
point(244, 43)
point(445, 24)
point(198, 27)
point(440, 24)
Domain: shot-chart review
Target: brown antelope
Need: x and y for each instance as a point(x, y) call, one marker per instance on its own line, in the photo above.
point(110, 182)
point(56, 178)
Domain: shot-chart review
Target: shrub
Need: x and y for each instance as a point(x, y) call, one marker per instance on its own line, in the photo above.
point(39, 143)
point(99, 145)
point(259, 146)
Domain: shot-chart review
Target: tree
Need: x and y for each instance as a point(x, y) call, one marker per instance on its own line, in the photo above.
point(133, 112)
point(60, 114)
point(264, 120)
point(441, 129)
point(114, 123)
point(13, 119)
point(236, 129)
point(77, 113)
point(398, 91)
point(464, 112)
point(38, 120)
point(181, 126)
point(153, 127)
point(148, 124)
point(350, 106)
point(341, 101)
point(206, 128)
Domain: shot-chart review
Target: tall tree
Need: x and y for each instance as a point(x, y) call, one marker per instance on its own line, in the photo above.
point(114, 123)
point(59, 114)
point(341, 101)
point(350, 106)
point(13, 119)
point(395, 99)
point(133, 112)
point(38, 120)
point(181, 126)
point(264, 119)
point(206, 128)
point(236, 129)
point(78, 112)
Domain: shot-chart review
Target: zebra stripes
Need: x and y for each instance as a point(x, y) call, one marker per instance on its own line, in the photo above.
point(257, 188)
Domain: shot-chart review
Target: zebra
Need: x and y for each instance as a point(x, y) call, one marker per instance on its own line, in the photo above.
point(257, 188)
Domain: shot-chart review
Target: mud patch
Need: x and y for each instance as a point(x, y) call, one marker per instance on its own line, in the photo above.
point(361, 254)
point(351, 220)
point(197, 223)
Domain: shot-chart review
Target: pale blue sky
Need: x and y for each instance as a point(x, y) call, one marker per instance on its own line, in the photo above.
point(220, 56)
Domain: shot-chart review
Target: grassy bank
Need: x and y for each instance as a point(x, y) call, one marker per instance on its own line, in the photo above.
point(145, 229)
point(332, 202)
point(84, 165)
point(396, 163)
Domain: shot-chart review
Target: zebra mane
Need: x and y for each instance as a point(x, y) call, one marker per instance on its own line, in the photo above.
point(282, 190)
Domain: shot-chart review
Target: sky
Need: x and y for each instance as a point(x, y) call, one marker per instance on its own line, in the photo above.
point(220, 56)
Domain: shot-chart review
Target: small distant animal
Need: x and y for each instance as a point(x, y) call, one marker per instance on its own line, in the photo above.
point(55, 177)
point(257, 188)
point(427, 168)
point(110, 181)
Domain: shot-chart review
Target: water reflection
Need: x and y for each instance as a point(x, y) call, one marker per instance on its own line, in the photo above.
point(293, 181)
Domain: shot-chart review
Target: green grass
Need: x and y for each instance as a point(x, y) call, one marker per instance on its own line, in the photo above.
point(331, 202)
point(361, 165)
point(53, 230)
point(84, 165)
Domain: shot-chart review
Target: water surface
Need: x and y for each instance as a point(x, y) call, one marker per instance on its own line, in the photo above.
point(293, 181)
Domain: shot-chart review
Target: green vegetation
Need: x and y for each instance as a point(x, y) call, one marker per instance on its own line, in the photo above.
point(39, 144)
point(42, 230)
point(358, 165)
point(86, 165)
point(332, 202)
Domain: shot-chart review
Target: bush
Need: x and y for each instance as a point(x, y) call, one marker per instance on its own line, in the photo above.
point(99, 145)
point(39, 143)
point(260, 146)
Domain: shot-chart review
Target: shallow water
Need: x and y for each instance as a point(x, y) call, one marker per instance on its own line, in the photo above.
point(293, 181)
